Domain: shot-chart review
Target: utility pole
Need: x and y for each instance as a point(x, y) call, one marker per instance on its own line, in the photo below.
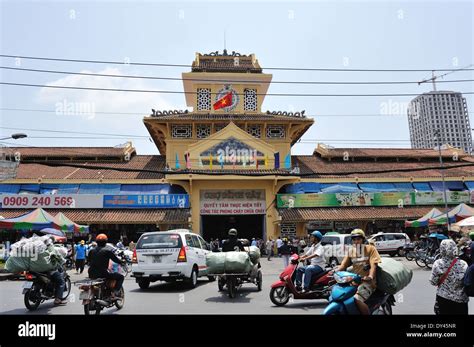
point(441, 163)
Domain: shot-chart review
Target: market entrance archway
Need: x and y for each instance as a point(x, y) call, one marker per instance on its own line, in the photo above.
point(248, 226)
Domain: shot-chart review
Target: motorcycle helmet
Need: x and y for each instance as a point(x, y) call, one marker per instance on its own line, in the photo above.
point(102, 237)
point(232, 232)
point(317, 234)
point(358, 233)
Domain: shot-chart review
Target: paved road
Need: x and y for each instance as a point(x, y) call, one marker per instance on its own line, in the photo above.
point(165, 298)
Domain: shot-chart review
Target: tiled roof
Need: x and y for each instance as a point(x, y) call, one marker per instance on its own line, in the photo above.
point(327, 152)
point(72, 152)
point(352, 213)
point(114, 216)
point(215, 62)
point(316, 166)
point(144, 162)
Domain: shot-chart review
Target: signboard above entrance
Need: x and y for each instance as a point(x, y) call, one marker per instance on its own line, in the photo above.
point(232, 201)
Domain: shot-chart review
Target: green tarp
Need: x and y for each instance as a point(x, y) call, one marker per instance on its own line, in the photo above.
point(228, 262)
point(392, 276)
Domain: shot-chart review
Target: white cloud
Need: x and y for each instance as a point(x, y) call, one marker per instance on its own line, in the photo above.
point(85, 102)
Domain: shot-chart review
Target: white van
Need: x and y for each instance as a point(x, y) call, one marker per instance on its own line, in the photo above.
point(390, 243)
point(169, 256)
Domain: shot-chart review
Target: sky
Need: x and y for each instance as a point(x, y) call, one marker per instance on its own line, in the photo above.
point(312, 34)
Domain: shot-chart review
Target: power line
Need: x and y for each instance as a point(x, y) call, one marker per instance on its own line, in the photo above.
point(189, 66)
point(193, 92)
point(227, 81)
point(142, 112)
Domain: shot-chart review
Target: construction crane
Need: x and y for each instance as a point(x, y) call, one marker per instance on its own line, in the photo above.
point(433, 77)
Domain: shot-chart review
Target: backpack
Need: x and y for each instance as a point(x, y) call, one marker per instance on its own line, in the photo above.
point(469, 281)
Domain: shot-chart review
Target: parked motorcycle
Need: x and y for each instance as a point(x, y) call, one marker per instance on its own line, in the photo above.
point(281, 290)
point(342, 297)
point(96, 295)
point(39, 287)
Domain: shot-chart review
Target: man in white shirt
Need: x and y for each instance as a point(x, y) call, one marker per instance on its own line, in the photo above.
point(279, 243)
point(315, 254)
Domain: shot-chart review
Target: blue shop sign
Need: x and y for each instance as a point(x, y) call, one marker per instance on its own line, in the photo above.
point(147, 201)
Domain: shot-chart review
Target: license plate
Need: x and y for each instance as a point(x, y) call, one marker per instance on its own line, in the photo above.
point(85, 295)
point(157, 258)
point(27, 285)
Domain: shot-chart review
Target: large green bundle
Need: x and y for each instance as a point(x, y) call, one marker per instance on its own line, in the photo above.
point(392, 276)
point(254, 253)
point(215, 262)
point(228, 262)
point(35, 254)
point(237, 262)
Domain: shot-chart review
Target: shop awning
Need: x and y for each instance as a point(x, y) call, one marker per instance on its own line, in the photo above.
point(339, 188)
point(450, 185)
point(116, 216)
point(303, 187)
point(377, 187)
point(422, 186)
point(99, 189)
point(469, 185)
point(351, 213)
point(9, 188)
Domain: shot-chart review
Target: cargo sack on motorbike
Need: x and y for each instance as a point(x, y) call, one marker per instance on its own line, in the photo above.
point(237, 262)
point(215, 263)
point(392, 276)
point(34, 254)
point(254, 253)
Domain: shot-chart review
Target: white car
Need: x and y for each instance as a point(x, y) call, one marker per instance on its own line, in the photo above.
point(336, 247)
point(169, 256)
point(390, 243)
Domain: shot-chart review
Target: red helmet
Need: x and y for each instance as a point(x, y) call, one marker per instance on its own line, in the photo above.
point(101, 237)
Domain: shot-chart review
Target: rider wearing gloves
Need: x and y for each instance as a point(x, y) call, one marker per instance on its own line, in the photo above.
point(99, 262)
point(364, 259)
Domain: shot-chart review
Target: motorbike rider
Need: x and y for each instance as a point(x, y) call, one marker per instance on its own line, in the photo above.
point(57, 276)
point(315, 254)
point(364, 259)
point(99, 262)
point(232, 244)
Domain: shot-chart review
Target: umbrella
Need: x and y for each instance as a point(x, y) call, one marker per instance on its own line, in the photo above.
point(423, 221)
point(34, 220)
point(52, 231)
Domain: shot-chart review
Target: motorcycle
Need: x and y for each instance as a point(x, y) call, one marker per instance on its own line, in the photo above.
point(39, 287)
point(96, 295)
point(342, 297)
point(281, 290)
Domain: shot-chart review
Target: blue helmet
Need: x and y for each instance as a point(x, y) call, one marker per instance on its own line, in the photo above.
point(317, 234)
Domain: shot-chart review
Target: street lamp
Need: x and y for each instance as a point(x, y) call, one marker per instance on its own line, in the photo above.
point(438, 139)
point(15, 136)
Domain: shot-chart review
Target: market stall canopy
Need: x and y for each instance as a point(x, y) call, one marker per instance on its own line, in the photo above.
point(66, 224)
point(34, 220)
point(456, 214)
point(423, 221)
point(468, 222)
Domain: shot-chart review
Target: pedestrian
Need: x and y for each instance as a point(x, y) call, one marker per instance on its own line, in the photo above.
point(81, 250)
point(269, 248)
point(279, 243)
point(285, 251)
point(254, 242)
point(448, 275)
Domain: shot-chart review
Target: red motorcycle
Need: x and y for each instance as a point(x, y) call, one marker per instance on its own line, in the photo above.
point(281, 290)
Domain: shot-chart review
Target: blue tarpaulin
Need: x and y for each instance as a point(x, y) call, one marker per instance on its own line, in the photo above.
point(469, 185)
point(377, 187)
point(9, 188)
point(68, 189)
point(450, 185)
point(403, 187)
point(422, 186)
point(99, 189)
point(339, 188)
point(49, 188)
point(304, 187)
point(151, 189)
point(30, 188)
